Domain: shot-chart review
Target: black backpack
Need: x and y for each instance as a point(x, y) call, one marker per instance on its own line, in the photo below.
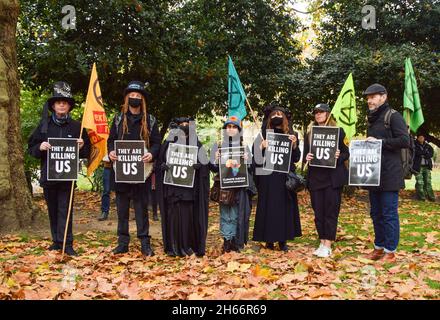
point(407, 154)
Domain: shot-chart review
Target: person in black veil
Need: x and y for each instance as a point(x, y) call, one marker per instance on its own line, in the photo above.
point(234, 218)
point(184, 211)
point(277, 217)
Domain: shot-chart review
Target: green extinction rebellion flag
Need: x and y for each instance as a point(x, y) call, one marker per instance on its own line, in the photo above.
point(344, 110)
point(236, 94)
point(411, 100)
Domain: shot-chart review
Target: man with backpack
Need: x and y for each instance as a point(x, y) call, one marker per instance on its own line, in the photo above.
point(387, 125)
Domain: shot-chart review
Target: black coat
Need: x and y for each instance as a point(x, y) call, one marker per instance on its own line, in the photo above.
point(393, 140)
point(422, 150)
point(70, 129)
point(277, 216)
point(338, 176)
point(134, 129)
point(199, 194)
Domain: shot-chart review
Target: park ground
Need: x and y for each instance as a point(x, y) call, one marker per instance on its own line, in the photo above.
point(29, 271)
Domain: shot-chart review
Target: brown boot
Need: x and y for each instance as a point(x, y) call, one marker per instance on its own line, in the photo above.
point(389, 258)
point(375, 255)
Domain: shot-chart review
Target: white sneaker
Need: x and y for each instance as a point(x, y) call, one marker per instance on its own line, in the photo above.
point(325, 252)
point(317, 251)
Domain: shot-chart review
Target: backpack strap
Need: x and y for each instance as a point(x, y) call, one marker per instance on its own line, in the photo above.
point(387, 118)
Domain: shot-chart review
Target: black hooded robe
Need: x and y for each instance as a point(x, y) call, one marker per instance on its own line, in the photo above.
point(184, 211)
point(277, 216)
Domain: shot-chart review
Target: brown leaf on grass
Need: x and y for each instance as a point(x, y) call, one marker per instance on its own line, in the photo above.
point(316, 293)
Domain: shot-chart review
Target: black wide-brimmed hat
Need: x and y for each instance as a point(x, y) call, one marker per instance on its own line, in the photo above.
point(61, 92)
point(137, 86)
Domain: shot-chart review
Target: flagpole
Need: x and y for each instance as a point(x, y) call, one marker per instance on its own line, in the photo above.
point(253, 116)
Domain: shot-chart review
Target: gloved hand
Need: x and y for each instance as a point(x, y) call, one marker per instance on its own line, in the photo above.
point(197, 166)
point(164, 167)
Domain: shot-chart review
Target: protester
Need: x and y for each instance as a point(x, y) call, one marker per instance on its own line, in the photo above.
point(134, 123)
point(184, 210)
point(326, 184)
point(57, 193)
point(107, 182)
point(384, 198)
point(234, 217)
point(423, 164)
point(277, 217)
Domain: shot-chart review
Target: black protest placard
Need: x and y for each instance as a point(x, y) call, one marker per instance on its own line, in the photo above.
point(129, 167)
point(324, 144)
point(233, 169)
point(180, 160)
point(278, 152)
point(365, 163)
point(62, 159)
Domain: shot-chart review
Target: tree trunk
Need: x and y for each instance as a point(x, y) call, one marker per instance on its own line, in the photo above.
point(15, 199)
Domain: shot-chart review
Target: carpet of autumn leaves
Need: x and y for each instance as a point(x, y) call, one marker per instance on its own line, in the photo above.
point(29, 271)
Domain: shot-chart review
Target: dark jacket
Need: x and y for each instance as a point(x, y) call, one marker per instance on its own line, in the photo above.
point(68, 130)
point(422, 151)
point(134, 123)
point(338, 176)
point(393, 139)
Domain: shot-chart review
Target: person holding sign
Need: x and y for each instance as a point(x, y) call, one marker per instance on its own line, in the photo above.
point(277, 218)
point(384, 198)
point(325, 184)
point(183, 186)
point(57, 193)
point(134, 123)
point(234, 216)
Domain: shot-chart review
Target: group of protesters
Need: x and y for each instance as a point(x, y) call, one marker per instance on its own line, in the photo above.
point(184, 211)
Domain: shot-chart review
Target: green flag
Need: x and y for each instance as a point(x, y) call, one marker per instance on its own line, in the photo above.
point(344, 110)
point(236, 95)
point(411, 100)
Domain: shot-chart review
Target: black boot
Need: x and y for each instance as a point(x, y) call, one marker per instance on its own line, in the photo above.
point(226, 245)
point(269, 245)
point(283, 246)
point(54, 246)
point(103, 217)
point(70, 252)
point(234, 245)
point(121, 248)
point(146, 247)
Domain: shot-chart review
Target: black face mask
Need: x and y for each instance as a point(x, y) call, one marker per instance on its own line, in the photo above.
point(185, 129)
point(276, 121)
point(134, 102)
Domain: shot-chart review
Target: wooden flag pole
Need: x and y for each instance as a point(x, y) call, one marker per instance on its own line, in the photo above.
point(255, 118)
point(70, 205)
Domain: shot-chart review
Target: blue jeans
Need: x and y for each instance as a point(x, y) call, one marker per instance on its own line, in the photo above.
point(228, 221)
point(105, 198)
point(383, 211)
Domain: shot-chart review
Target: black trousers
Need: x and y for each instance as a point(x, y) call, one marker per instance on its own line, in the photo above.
point(326, 204)
point(57, 200)
point(137, 194)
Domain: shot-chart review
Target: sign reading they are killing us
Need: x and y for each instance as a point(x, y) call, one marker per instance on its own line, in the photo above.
point(323, 145)
point(62, 159)
point(129, 167)
point(365, 163)
point(180, 160)
point(278, 152)
point(233, 168)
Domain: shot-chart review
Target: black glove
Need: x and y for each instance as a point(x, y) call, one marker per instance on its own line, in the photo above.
point(164, 167)
point(197, 166)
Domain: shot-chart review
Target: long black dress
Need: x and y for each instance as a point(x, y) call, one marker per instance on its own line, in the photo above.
point(277, 217)
point(184, 211)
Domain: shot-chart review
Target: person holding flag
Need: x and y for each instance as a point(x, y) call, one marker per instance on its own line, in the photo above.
point(134, 123)
point(58, 194)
